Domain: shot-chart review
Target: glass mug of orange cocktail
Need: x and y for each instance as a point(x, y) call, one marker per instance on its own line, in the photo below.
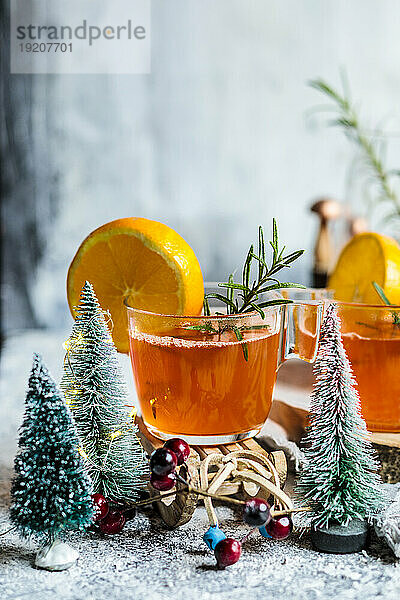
point(195, 377)
point(371, 337)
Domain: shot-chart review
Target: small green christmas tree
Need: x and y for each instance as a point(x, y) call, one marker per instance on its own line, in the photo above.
point(339, 481)
point(96, 393)
point(51, 491)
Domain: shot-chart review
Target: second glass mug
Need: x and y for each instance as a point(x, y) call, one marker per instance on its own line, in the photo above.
point(371, 338)
point(210, 380)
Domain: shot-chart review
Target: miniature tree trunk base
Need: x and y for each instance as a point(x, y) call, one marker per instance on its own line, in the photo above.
point(56, 556)
point(341, 539)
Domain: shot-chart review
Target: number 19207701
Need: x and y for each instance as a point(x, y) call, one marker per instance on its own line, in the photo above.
point(45, 47)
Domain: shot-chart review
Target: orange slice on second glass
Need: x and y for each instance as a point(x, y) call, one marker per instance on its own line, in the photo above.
point(368, 257)
point(143, 261)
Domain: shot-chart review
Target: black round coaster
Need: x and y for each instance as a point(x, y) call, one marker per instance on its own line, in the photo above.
point(338, 539)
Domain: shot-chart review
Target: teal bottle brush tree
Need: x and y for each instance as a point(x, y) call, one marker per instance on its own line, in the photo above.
point(339, 482)
point(95, 391)
point(51, 492)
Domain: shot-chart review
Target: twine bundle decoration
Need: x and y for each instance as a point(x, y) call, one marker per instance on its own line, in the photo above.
point(252, 469)
point(230, 473)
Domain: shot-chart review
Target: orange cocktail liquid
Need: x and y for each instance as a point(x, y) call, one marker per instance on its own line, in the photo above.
point(376, 366)
point(201, 385)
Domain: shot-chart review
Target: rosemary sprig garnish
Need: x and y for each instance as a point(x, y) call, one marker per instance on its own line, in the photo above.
point(385, 300)
point(244, 297)
point(371, 147)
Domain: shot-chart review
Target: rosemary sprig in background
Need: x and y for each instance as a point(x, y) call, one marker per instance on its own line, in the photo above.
point(370, 145)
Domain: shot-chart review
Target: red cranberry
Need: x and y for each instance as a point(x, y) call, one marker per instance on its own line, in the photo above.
point(180, 448)
point(163, 483)
point(256, 512)
point(280, 528)
point(101, 507)
point(163, 462)
point(227, 552)
point(113, 522)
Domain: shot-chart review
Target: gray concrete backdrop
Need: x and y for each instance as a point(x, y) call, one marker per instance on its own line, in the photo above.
point(215, 140)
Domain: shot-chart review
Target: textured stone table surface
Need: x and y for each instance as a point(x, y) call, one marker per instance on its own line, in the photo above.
point(146, 561)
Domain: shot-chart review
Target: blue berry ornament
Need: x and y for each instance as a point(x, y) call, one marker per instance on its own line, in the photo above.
point(212, 536)
point(264, 532)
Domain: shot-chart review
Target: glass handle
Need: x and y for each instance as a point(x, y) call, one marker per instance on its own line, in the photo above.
point(300, 331)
